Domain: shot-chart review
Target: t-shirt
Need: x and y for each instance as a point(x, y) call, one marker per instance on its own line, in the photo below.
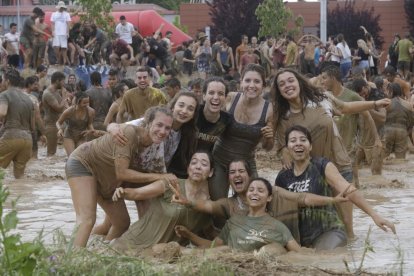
point(99, 155)
point(313, 221)
point(48, 97)
point(403, 47)
point(61, 19)
point(158, 48)
point(125, 32)
point(291, 51)
point(345, 51)
point(208, 131)
point(137, 101)
point(20, 111)
point(100, 100)
point(348, 123)
point(240, 51)
point(251, 233)
point(12, 43)
point(27, 30)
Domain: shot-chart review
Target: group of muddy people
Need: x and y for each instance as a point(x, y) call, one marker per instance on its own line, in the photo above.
point(180, 150)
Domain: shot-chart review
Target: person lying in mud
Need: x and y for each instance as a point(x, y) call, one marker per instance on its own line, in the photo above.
point(96, 168)
point(320, 227)
point(252, 231)
point(157, 225)
point(283, 206)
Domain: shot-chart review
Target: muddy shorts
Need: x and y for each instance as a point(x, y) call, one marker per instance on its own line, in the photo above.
point(330, 240)
point(396, 141)
point(17, 150)
point(26, 42)
point(75, 168)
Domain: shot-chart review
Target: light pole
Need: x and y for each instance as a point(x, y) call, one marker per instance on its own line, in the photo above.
point(324, 7)
point(18, 17)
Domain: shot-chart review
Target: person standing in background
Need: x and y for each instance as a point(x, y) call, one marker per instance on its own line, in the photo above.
point(60, 29)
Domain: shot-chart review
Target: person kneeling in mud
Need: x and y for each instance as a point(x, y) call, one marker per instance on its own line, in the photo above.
point(251, 232)
point(320, 227)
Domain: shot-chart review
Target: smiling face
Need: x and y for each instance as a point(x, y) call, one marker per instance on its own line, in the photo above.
point(199, 168)
point(160, 127)
point(112, 80)
point(257, 194)
point(252, 85)
point(288, 86)
point(238, 177)
point(184, 109)
point(299, 146)
point(142, 80)
point(215, 97)
point(327, 81)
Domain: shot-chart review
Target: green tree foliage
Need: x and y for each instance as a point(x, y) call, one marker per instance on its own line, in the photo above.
point(177, 23)
point(409, 12)
point(166, 4)
point(232, 18)
point(346, 19)
point(97, 11)
point(273, 17)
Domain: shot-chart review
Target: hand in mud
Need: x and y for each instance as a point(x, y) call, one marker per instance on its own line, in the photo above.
point(43, 140)
point(383, 103)
point(384, 224)
point(181, 231)
point(118, 194)
point(267, 132)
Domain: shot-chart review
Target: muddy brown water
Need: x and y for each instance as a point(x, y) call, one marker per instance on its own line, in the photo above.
point(45, 204)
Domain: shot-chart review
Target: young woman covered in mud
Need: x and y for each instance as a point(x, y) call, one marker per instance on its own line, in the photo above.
point(96, 168)
point(283, 206)
point(298, 102)
point(79, 118)
point(157, 225)
point(320, 227)
point(398, 122)
point(252, 123)
point(254, 230)
point(155, 160)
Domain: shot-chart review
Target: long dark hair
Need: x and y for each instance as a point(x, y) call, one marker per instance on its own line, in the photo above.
point(189, 130)
point(308, 94)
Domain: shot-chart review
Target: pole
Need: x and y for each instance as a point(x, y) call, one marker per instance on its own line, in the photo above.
point(323, 22)
point(18, 17)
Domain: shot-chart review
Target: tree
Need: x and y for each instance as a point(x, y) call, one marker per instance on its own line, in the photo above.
point(347, 20)
point(273, 17)
point(166, 4)
point(409, 12)
point(97, 11)
point(233, 18)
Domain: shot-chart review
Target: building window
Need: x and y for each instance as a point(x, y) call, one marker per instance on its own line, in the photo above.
point(6, 2)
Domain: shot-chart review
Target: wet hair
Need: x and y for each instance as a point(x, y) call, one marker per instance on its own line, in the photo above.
point(12, 25)
point(245, 164)
point(21, 83)
point(57, 76)
point(395, 90)
point(80, 95)
point(173, 82)
point(379, 82)
point(13, 76)
point(129, 82)
point(144, 69)
point(151, 112)
point(196, 82)
point(71, 75)
point(358, 85)
point(96, 78)
point(30, 81)
point(219, 37)
point(389, 70)
point(252, 67)
point(299, 128)
point(113, 72)
point(226, 40)
point(81, 86)
point(117, 90)
point(332, 72)
point(41, 68)
point(309, 93)
point(215, 79)
point(38, 11)
point(170, 72)
point(264, 181)
point(189, 130)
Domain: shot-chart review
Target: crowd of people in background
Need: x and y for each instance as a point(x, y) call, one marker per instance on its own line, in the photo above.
point(182, 133)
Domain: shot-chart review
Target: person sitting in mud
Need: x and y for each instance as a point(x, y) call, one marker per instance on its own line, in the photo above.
point(283, 206)
point(320, 227)
point(251, 232)
point(398, 123)
point(157, 225)
point(96, 168)
point(79, 118)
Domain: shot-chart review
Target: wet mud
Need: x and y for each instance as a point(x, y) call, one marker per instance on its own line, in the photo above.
point(44, 204)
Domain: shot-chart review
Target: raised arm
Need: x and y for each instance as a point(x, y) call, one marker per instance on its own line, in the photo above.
point(309, 199)
point(337, 182)
point(357, 106)
point(149, 191)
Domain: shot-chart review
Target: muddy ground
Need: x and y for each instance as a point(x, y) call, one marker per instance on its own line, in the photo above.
point(45, 204)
